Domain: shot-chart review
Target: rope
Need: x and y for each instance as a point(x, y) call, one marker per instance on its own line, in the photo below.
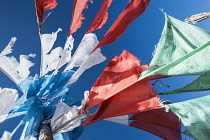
point(161, 9)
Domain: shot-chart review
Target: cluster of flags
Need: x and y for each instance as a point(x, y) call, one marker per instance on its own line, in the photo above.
point(183, 49)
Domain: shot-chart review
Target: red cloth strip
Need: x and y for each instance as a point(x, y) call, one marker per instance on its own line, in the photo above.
point(101, 17)
point(77, 16)
point(133, 10)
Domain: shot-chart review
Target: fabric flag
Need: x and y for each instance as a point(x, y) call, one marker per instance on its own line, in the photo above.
point(195, 116)
point(101, 17)
point(66, 118)
point(93, 59)
point(202, 83)
point(133, 10)
point(68, 121)
point(6, 136)
point(82, 53)
point(82, 57)
point(119, 73)
point(182, 50)
point(117, 87)
point(16, 71)
point(159, 122)
point(8, 98)
point(119, 119)
point(41, 6)
point(50, 60)
point(154, 120)
point(134, 98)
point(77, 16)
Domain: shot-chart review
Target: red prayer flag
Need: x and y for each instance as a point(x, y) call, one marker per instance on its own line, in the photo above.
point(101, 17)
point(43, 5)
point(159, 122)
point(121, 72)
point(133, 99)
point(133, 10)
point(49, 4)
point(118, 87)
point(77, 16)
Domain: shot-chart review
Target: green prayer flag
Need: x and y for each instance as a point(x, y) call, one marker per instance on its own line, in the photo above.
point(195, 115)
point(183, 49)
point(202, 83)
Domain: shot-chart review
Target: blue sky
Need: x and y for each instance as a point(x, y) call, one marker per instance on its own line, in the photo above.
point(18, 19)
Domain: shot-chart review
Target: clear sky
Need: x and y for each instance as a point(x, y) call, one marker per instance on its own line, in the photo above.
point(18, 19)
